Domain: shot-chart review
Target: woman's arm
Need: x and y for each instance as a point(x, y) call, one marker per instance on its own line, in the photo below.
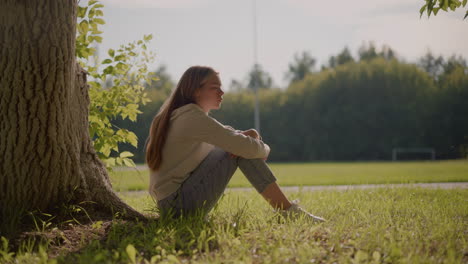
point(250, 133)
point(199, 126)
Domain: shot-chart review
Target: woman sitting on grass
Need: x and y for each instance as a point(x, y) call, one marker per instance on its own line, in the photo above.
point(192, 156)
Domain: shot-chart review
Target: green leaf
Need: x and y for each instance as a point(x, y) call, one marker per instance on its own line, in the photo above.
point(84, 26)
point(466, 15)
point(120, 57)
point(129, 163)
point(82, 11)
point(106, 150)
point(94, 26)
point(172, 259)
point(96, 120)
point(91, 13)
point(126, 154)
point(122, 132)
point(99, 21)
point(109, 162)
point(122, 99)
point(121, 66)
point(109, 70)
point(132, 110)
point(84, 53)
point(115, 147)
point(376, 256)
point(94, 84)
point(464, 3)
point(132, 139)
point(98, 39)
point(92, 50)
point(445, 5)
point(421, 11)
point(131, 252)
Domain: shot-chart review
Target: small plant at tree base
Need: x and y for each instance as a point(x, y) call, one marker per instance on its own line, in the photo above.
point(117, 86)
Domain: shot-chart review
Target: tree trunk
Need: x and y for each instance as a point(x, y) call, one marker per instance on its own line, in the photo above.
point(47, 157)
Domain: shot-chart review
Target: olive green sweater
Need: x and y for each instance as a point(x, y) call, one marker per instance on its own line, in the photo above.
point(192, 135)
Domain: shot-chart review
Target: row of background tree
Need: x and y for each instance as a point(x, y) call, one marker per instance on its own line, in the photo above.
point(351, 109)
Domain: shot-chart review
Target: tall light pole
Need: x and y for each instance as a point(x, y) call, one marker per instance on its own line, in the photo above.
point(255, 83)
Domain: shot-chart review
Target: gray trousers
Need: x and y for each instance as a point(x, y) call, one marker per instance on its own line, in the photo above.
point(205, 185)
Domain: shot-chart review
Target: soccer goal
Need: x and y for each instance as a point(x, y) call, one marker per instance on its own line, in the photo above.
point(413, 153)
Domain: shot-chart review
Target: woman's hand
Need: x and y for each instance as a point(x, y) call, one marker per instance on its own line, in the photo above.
point(250, 133)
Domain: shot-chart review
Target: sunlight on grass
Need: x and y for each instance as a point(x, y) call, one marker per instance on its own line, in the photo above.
point(297, 174)
point(394, 225)
point(383, 225)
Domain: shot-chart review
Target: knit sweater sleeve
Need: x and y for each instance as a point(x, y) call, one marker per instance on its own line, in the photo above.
point(207, 129)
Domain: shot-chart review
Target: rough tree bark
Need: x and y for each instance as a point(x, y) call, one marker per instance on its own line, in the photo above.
point(46, 154)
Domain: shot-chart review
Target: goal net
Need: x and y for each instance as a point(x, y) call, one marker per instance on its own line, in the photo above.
point(413, 154)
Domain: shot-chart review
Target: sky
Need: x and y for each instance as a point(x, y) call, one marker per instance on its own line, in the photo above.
point(220, 33)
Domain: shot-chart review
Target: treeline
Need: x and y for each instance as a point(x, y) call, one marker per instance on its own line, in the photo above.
point(350, 109)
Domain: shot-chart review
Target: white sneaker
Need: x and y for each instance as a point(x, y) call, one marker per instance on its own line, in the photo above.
point(295, 211)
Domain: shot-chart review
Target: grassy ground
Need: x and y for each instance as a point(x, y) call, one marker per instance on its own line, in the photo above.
point(395, 225)
point(292, 174)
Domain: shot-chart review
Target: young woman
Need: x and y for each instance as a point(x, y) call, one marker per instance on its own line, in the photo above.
point(192, 156)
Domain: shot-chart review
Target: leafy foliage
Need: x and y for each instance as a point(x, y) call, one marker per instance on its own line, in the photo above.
point(302, 65)
point(434, 6)
point(343, 57)
point(360, 111)
point(357, 108)
point(117, 86)
point(256, 78)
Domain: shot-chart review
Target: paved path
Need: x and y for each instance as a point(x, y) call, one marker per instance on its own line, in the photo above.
point(436, 185)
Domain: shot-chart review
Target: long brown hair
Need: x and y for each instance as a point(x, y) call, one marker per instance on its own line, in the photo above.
point(183, 94)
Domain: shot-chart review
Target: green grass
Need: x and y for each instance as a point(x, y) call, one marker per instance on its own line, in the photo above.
point(302, 174)
point(384, 225)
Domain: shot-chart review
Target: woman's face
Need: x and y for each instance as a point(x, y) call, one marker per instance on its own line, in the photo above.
point(210, 95)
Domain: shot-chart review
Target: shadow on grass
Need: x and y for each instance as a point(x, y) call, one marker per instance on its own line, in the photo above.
point(158, 239)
